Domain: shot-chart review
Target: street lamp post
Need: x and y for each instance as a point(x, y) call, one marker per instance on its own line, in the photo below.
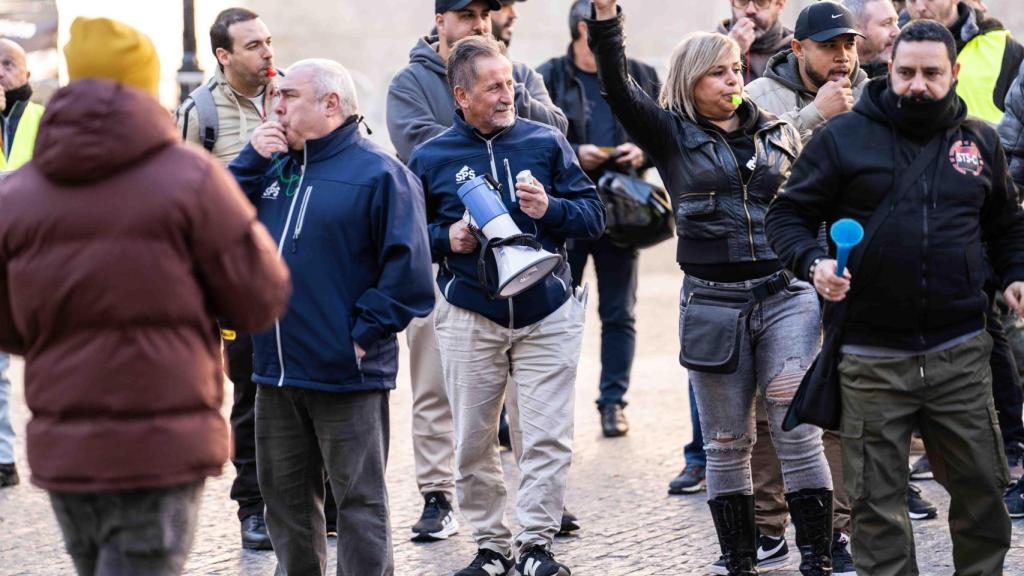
point(190, 76)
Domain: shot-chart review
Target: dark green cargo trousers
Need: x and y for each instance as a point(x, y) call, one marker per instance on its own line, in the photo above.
point(948, 397)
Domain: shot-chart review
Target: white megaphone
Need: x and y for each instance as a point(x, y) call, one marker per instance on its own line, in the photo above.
point(519, 267)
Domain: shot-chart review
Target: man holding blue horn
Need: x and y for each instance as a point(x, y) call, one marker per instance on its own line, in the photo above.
point(485, 336)
point(931, 189)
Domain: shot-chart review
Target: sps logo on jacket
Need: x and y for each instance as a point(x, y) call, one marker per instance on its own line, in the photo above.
point(272, 191)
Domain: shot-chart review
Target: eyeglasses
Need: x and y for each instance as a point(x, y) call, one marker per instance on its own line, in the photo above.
point(742, 4)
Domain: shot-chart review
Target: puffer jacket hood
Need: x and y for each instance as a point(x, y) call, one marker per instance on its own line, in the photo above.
point(425, 53)
point(71, 147)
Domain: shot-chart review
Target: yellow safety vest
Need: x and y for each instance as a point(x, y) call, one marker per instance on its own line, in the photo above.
point(24, 138)
point(981, 63)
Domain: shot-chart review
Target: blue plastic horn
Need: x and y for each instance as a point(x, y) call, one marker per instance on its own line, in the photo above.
point(846, 234)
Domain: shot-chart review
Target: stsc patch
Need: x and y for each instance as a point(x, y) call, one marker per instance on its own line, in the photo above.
point(966, 158)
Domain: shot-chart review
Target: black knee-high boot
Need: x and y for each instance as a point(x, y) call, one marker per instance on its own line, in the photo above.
point(811, 511)
point(734, 523)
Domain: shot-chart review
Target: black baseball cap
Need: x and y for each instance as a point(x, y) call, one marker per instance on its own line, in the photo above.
point(823, 21)
point(442, 6)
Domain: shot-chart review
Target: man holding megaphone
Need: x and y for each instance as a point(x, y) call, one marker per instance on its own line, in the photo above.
point(508, 308)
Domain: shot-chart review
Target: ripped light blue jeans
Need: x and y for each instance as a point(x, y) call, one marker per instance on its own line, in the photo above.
point(779, 340)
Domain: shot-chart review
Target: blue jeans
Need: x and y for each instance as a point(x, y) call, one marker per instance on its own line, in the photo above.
point(694, 451)
point(6, 430)
point(779, 338)
point(616, 269)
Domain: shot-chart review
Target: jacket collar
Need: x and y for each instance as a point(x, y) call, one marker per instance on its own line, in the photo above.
point(695, 136)
point(341, 138)
point(464, 128)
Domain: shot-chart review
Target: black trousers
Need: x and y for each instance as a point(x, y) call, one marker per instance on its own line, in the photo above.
point(300, 433)
point(1006, 388)
point(246, 487)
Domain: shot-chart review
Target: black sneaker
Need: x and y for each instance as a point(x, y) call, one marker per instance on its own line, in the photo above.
point(771, 552)
point(570, 523)
point(842, 562)
point(437, 521)
point(917, 506)
point(689, 481)
point(9, 475)
point(254, 533)
point(1014, 500)
point(538, 561)
point(922, 469)
point(487, 563)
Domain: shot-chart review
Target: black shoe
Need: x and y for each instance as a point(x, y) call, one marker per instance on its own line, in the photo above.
point(487, 563)
point(538, 561)
point(254, 533)
point(921, 469)
point(917, 507)
point(332, 529)
point(734, 523)
point(811, 511)
point(613, 421)
point(689, 481)
point(842, 562)
point(437, 521)
point(9, 475)
point(570, 523)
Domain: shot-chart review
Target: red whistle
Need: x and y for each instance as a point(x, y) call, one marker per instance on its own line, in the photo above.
point(271, 72)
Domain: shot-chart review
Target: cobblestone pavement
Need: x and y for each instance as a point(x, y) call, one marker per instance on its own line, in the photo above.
point(617, 487)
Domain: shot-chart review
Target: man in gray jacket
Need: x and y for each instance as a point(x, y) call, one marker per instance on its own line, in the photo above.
point(819, 77)
point(421, 105)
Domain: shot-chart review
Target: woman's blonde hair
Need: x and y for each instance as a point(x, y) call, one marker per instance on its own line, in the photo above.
point(693, 58)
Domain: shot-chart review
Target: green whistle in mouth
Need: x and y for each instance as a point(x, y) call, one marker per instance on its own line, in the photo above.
point(737, 100)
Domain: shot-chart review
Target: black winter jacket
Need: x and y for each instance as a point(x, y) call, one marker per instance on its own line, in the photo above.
point(567, 93)
point(719, 220)
point(920, 282)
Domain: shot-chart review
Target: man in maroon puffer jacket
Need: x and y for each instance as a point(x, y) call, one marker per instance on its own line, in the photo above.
point(119, 247)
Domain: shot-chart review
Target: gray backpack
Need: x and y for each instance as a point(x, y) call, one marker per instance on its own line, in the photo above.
point(201, 99)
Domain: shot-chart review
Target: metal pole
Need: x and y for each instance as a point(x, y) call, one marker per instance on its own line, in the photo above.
point(190, 75)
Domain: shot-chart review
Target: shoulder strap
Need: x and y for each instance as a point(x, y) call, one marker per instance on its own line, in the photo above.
point(837, 312)
point(206, 110)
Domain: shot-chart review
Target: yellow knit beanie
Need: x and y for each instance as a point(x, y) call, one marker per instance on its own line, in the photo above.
point(105, 48)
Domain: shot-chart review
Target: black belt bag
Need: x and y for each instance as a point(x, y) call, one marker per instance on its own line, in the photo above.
point(714, 321)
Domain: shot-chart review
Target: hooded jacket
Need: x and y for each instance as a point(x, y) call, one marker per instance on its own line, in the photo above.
point(920, 282)
point(349, 221)
point(781, 91)
point(755, 61)
point(421, 104)
point(460, 154)
point(119, 246)
point(719, 217)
